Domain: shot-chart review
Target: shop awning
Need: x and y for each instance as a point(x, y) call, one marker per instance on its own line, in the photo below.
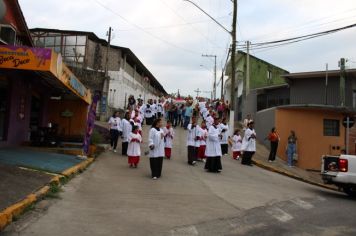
point(45, 61)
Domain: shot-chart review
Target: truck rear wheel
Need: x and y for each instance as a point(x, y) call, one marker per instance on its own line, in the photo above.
point(349, 190)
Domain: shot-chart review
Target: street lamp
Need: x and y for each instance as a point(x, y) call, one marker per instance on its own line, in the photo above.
point(214, 85)
point(214, 82)
point(233, 50)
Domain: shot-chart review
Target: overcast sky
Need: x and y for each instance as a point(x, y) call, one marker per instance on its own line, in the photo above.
point(169, 36)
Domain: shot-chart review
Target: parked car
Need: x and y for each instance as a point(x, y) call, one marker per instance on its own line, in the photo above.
point(341, 171)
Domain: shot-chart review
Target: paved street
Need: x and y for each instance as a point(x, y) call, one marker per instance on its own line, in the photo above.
point(112, 199)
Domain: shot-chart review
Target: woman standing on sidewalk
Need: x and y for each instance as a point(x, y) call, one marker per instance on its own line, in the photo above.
point(291, 149)
point(273, 137)
point(156, 145)
point(115, 130)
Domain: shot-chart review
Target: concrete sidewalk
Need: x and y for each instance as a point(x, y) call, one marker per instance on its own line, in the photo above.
point(280, 166)
point(21, 187)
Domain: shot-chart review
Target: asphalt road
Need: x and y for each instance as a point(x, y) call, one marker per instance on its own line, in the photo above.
point(112, 199)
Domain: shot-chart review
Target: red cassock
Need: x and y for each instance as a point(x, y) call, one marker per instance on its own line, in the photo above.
point(168, 152)
point(134, 160)
point(201, 152)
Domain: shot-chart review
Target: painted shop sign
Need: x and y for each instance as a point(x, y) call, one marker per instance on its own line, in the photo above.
point(73, 82)
point(42, 59)
point(25, 58)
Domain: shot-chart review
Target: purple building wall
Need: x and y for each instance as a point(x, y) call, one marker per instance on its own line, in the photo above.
point(20, 88)
point(18, 129)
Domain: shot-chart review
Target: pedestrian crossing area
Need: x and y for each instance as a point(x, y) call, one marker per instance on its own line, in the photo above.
point(251, 221)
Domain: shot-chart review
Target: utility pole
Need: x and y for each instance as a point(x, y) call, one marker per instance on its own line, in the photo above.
point(214, 85)
point(107, 52)
point(104, 101)
point(222, 84)
point(326, 83)
point(233, 67)
point(233, 52)
point(342, 82)
point(248, 69)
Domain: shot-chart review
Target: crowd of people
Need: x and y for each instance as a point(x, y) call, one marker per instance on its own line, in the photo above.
point(208, 133)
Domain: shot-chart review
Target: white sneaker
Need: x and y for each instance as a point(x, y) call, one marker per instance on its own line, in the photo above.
point(154, 178)
point(270, 161)
point(204, 160)
point(194, 162)
point(115, 151)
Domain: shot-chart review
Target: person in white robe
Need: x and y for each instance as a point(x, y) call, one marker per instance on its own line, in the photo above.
point(168, 139)
point(156, 145)
point(236, 145)
point(126, 130)
point(213, 149)
point(209, 119)
point(248, 144)
point(148, 111)
point(203, 135)
point(224, 129)
point(192, 139)
point(134, 149)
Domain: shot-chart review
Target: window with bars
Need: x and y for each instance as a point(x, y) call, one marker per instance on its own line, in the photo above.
point(331, 127)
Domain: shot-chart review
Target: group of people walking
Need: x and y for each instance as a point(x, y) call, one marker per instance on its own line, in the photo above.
point(207, 141)
point(129, 128)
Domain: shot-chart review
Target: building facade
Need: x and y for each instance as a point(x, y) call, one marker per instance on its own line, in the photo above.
point(89, 57)
point(316, 113)
point(261, 75)
point(36, 87)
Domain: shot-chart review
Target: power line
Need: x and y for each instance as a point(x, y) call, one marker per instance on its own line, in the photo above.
point(145, 31)
point(304, 25)
point(282, 42)
point(173, 25)
point(194, 28)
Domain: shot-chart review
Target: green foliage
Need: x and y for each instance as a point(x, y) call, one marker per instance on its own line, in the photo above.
point(96, 138)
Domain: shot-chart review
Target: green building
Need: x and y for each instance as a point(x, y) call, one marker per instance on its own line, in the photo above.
point(262, 76)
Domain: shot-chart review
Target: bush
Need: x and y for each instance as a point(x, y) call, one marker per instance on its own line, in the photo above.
point(96, 138)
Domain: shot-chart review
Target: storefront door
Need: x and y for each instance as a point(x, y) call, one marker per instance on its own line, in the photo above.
point(35, 113)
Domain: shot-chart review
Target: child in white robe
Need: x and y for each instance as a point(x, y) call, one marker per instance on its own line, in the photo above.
point(203, 135)
point(168, 139)
point(236, 145)
point(224, 129)
point(192, 139)
point(134, 149)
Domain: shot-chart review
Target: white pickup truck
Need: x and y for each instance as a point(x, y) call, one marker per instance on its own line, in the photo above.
point(341, 171)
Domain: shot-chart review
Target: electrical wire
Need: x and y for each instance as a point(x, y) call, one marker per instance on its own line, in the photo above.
point(194, 28)
point(304, 25)
point(173, 26)
point(282, 42)
point(145, 31)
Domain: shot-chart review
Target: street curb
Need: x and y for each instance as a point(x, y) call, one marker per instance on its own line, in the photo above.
point(285, 173)
point(15, 210)
point(78, 168)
